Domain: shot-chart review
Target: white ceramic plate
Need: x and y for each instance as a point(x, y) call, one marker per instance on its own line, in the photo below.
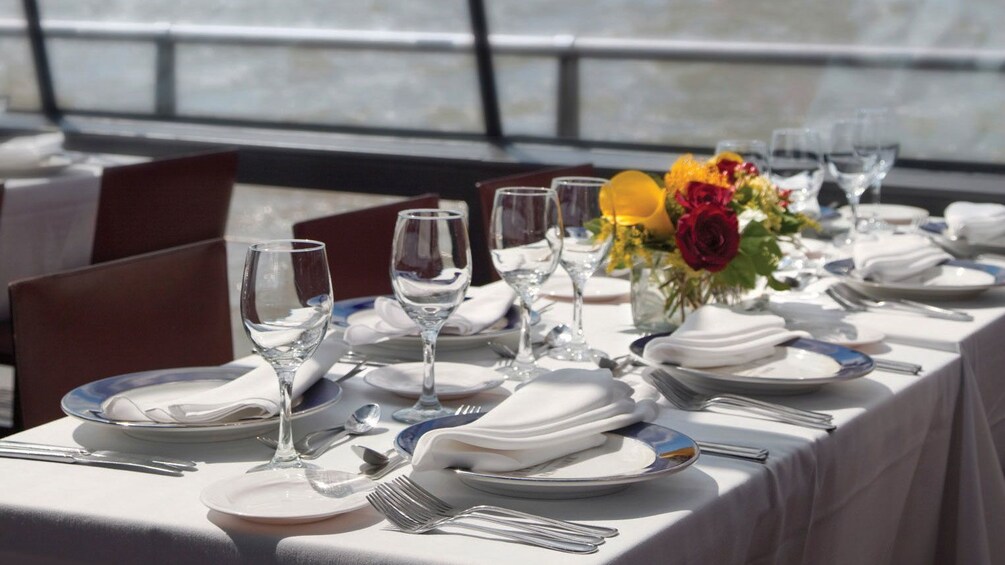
point(355, 310)
point(283, 496)
point(640, 452)
point(598, 288)
point(798, 366)
point(84, 403)
point(453, 380)
point(959, 246)
point(956, 278)
point(894, 214)
point(840, 333)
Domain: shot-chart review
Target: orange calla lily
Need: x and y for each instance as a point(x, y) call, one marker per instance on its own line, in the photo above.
point(637, 199)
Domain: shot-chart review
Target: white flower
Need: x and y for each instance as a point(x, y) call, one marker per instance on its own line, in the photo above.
point(750, 215)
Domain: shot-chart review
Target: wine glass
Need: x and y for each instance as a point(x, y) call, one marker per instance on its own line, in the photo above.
point(584, 248)
point(852, 158)
point(430, 273)
point(881, 122)
point(286, 306)
point(525, 242)
point(752, 150)
point(795, 163)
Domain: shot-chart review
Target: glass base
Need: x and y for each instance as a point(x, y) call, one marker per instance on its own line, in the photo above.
point(522, 374)
point(582, 353)
point(419, 413)
point(277, 464)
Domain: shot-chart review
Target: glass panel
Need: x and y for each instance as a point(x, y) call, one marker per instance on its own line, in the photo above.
point(18, 89)
point(945, 114)
point(527, 88)
point(102, 75)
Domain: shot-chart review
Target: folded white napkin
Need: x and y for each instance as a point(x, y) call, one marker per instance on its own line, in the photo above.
point(253, 395)
point(556, 414)
point(894, 258)
point(28, 151)
point(715, 336)
point(977, 223)
point(485, 306)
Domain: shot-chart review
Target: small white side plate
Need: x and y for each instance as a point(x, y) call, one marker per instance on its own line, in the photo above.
point(894, 214)
point(283, 496)
point(598, 288)
point(453, 380)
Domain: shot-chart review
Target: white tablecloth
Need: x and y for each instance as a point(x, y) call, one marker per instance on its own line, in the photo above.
point(909, 476)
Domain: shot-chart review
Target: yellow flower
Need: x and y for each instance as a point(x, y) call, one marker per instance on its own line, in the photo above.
point(633, 197)
point(687, 169)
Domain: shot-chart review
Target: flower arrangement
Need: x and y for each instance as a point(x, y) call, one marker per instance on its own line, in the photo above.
point(708, 231)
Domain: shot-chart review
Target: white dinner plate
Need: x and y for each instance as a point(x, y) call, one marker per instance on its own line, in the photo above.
point(960, 246)
point(955, 278)
point(798, 366)
point(48, 166)
point(640, 452)
point(356, 310)
point(84, 403)
point(282, 496)
point(843, 333)
point(893, 214)
point(598, 288)
point(453, 380)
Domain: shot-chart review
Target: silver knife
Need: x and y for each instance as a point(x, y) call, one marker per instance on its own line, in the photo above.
point(180, 464)
point(88, 459)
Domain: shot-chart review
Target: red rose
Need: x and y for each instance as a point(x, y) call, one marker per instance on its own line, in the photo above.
point(704, 194)
point(708, 237)
point(732, 168)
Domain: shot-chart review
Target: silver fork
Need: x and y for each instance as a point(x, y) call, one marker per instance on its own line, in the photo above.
point(855, 297)
point(414, 525)
point(467, 409)
point(689, 399)
point(442, 508)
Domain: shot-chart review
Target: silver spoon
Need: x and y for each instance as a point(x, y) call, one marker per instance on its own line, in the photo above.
point(383, 463)
point(558, 336)
point(316, 443)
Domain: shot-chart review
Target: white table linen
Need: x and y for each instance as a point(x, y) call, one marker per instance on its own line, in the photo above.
point(909, 476)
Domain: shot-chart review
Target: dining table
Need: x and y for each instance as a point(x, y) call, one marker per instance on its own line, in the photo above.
point(912, 473)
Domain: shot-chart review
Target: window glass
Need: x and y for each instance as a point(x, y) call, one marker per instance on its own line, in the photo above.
point(18, 88)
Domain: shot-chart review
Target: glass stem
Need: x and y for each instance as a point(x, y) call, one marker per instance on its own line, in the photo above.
point(877, 185)
point(853, 204)
point(578, 335)
point(525, 353)
point(284, 450)
point(428, 399)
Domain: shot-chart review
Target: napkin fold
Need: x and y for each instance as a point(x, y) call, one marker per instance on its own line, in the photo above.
point(252, 395)
point(28, 151)
point(976, 222)
point(894, 258)
point(485, 306)
point(552, 416)
point(715, 336)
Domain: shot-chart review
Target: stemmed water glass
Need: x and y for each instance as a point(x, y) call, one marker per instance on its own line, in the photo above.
point(752, 150)
point(584, 248)
point(430, 273)
point(526, 242)
point(796, 163)
point(882, 123)
point(852, 158)
point(286, 305)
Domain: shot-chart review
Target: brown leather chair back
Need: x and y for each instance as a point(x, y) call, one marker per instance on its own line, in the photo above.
point(163, 203)
point(159, 310)
point(6, 331)
point(486, 195)
point(358, 245)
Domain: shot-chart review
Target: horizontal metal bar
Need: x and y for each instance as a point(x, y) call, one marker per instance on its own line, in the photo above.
point(544, 46)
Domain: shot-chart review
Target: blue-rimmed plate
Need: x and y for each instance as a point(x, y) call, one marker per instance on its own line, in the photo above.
point(939, 231)
point(640, 452)
point(955, 278)
point(84, 403)
point(797, 366)
point(360, 310)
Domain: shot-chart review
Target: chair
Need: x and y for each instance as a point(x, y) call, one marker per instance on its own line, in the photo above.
point(163, 203)
point(484, 271)
point(358, 245)
point(159, 310)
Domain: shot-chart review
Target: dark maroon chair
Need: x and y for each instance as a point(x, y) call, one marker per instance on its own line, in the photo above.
point(486, 194)
point(159, 310)
point(163, 203)
point(358, 245)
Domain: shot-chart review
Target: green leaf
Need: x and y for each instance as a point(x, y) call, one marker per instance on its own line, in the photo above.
point(777, 284)
point(739, 272)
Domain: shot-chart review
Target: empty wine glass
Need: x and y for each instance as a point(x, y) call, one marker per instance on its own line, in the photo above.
point(430, 273)
point(852, 157)
point(796, 164)
point(752, 150)
point(584, 248)
point(526, 242)
point(881, 122)
point(286, 305)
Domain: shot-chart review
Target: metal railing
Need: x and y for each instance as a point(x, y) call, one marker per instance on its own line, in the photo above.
point(567, 50)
